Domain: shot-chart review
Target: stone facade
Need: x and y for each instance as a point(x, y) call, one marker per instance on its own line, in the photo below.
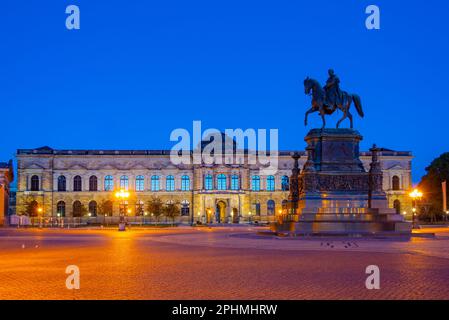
point(6, 177)
point(210, 193)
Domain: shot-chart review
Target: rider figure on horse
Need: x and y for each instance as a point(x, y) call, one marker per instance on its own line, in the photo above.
point(333, 92)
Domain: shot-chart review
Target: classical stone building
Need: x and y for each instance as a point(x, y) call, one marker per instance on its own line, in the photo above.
point(64, 182)
point(6, 177)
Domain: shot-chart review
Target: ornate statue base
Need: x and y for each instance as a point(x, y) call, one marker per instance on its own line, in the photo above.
point(334, 194)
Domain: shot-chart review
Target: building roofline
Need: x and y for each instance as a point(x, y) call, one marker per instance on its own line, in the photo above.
point(98, 152)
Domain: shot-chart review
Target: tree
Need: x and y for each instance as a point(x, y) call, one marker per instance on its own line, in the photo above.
point(104, 207)
point(171, 210)
point(139, 208)
point(437, 172)
point(30, 207)
point(155, 207)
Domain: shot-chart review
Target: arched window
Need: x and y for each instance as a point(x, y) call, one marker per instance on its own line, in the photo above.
point(77, 183)
point(124, 182)
point(140, 208)
point(255, 183)
point(284, 204)
point(185, 208)
point(60, 208)
point(33, 210)
point(235, 185)
point(34, 183)
point(270, 183)
point(185, 183)
point(271, 207)
point(208, 182)
point(108, 208)
point(170, 183)
point(61, 183)
point(93, 208)
point(93, 183)
point(285, 183)
point(397, 206)
point(77, 209)
point(395, 183)
point(155, 185)
point(221, 182)
point(108, 183)
point(140, 183)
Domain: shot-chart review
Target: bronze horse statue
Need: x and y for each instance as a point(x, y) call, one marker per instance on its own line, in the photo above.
point(324, 107)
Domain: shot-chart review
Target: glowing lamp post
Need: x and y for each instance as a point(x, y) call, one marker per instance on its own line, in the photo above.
point(40, 210)
point(415, 195)
point(122, 195)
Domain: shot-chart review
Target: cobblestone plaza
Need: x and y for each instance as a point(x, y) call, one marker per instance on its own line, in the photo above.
point(218, 263)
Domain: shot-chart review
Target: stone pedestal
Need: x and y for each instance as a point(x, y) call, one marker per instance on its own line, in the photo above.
point(334, 194)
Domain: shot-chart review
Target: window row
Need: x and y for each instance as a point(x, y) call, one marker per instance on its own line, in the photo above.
point(271, 207)
point(79, 210)
point(123, 184)
point(220, 184)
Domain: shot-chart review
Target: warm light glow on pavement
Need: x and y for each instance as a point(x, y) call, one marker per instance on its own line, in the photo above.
point(215, 263)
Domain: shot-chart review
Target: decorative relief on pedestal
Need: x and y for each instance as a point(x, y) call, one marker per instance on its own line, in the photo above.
point(332, 183)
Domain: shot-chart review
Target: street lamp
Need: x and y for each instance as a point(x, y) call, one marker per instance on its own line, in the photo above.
point(122, 195)
point(249, 214)
point(415, 195)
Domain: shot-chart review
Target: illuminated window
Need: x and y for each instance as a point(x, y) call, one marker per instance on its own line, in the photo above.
point(208, 182)
point(255, 183)
point(140, 183)
point(124, 182)
point(235, 185)
point(170, 183)
point(270, 183)
point(77, 183)
point(155, 185)
point(108, 183)
point(185, 208)
point(185, 183)
point(221, 182)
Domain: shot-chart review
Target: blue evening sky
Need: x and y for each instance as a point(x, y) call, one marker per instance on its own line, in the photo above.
point(136, 70)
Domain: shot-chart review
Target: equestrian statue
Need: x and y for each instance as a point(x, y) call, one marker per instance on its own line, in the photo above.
point(330, 98)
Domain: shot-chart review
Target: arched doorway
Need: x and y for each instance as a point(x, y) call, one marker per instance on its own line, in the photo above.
point(220, 212)
point(397, 206)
